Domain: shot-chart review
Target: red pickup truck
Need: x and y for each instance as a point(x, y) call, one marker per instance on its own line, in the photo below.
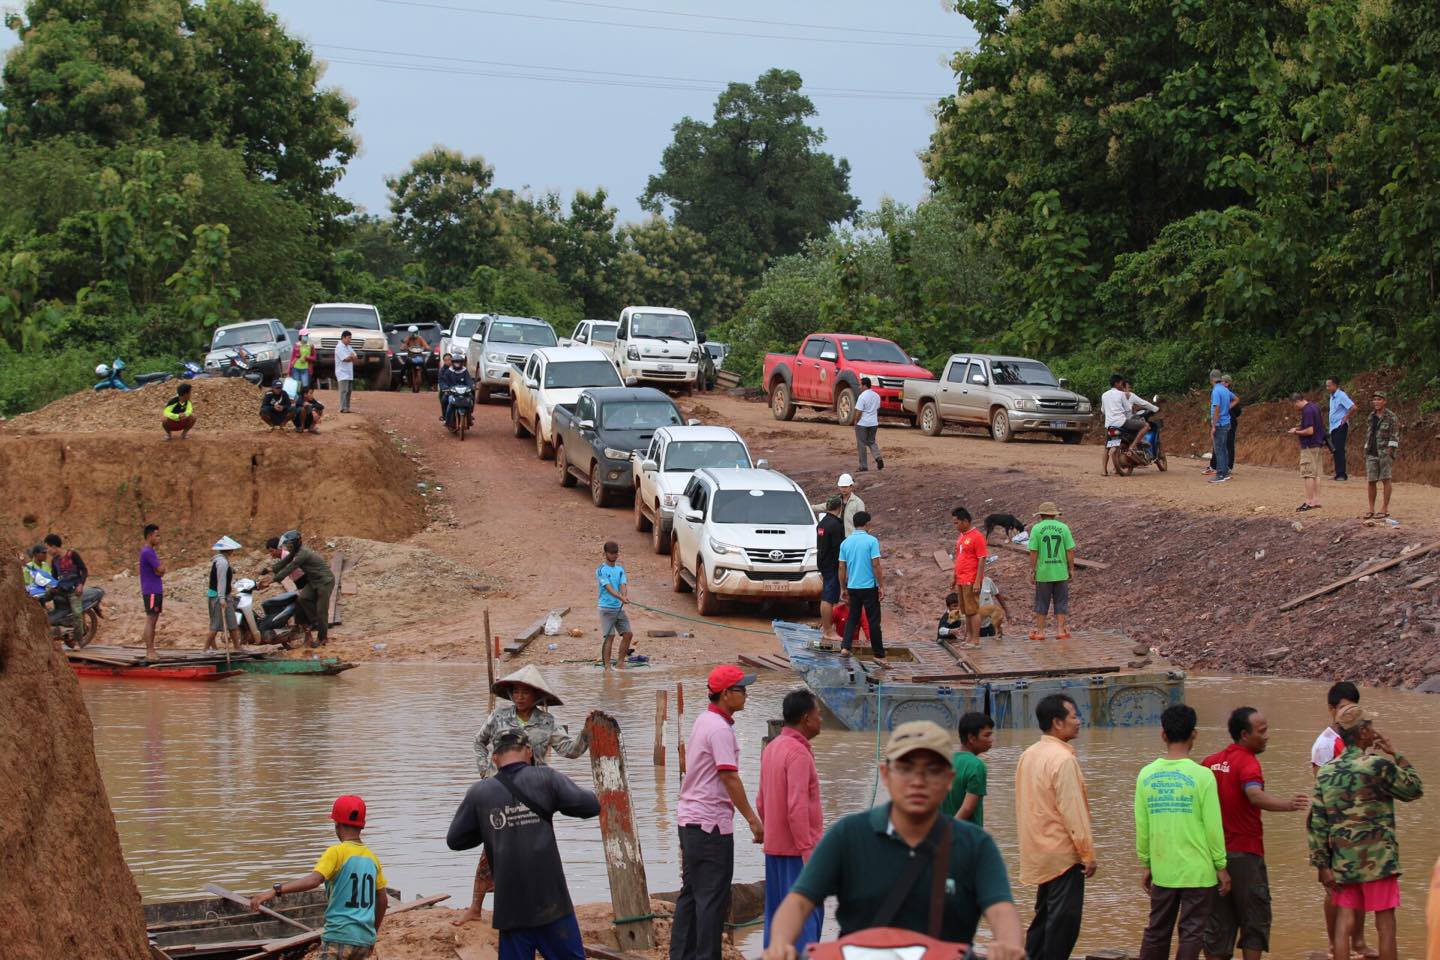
point(826, 373)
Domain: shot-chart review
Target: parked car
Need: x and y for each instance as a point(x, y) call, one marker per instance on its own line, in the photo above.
point(598, 436)
point(395, 337)
point(657, 345)
point(457, 335)
point(554, 375)
point(503, 342)
point(265, 340)
point(825, 374)
point(743, 535)
point(1005, 395)
point(664, 469)
point(593, 333)
point(326, 321)
point(718, 352)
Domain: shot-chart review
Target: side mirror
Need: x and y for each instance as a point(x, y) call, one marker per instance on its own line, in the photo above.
point(587, 424)
point(1064, 383)
point(915, 361)
point(702, 338)
point(649, 466)
point(694, 516)
point(762, 464)
point(978, 378)
point(631, 381)
point(1155, 399)
point(565, 342)
point(828, 355)
point(532, 383)
point(692, 422)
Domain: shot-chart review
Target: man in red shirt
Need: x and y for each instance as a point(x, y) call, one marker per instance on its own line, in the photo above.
point(1244, 912)
point(970, 553)
point(789, 806)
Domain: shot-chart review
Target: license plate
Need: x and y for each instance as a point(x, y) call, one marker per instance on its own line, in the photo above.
point(1061, 424)
point(776, 586)
point(667, 366)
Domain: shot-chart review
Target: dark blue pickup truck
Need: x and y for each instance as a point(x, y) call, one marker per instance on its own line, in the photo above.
point(596, 436)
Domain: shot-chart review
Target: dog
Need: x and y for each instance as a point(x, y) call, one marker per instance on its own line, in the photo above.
point(1008, 521)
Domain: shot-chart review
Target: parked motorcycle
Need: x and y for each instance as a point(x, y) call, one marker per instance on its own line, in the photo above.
point(1147, 450)
point(62, 623)
point(278, 619)
point(459, 409)
point(415, 358)
point(111, 377)
point(240, 362)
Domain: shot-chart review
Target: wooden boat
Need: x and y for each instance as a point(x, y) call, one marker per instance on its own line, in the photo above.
point(322, 667)
point(201, 672)
point(105, 661)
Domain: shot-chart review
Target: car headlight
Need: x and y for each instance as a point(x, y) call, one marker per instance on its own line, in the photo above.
point(1021, 403)
point(670, 499)
point(614, 454)
point(633, 353)
point(495, 357)
point(722, 548)
point(695, 355)
point(1084, 406)
point(266, 354)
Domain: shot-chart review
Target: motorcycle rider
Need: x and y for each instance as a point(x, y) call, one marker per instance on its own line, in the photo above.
point(70, 576)
point(413, 340)
point(454, 375)
point(1118, 405)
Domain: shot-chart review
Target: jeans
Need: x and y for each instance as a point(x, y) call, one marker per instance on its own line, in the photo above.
point(1230, 443)
point(867, 599)
point(301, 375)
point(865, 440)
point(1220, 454)
point(346, 387)
point(707, 866)
point(1058, 906)
point(1191, 905)
point(1338, 436)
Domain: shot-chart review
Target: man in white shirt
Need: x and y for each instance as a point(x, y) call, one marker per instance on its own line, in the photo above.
point(867, 421)
point(1118, 406)
point(845, 486)
point(345, 370)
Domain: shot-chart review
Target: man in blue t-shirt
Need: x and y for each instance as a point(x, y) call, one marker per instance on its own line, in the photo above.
point(862, 585)
point(1342, 408)
point(1221, 400)
point(614, 594)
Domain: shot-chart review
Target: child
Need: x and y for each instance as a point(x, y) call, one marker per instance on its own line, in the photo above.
point(308, 411)
point(993, 608)
point(614, 594)
point(966, 799)
point(952, 621)
point(354, 887)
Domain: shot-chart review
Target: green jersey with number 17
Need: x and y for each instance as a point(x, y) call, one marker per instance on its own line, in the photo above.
point(1050, 539)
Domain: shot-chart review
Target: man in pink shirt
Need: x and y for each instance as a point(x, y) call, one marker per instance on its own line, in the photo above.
point(789, 806)
point(709, 797)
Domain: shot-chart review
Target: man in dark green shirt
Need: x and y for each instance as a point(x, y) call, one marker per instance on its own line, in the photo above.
point(864, 860)
point(966, 799)
point(314, 595)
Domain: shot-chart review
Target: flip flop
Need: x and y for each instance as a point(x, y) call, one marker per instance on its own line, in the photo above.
point(1382, 516)
point(1065, 635)
point(1368, 516)
point(1036, 635)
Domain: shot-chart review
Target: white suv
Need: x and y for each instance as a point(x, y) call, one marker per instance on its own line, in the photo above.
point(664, 470)
point(743, 535)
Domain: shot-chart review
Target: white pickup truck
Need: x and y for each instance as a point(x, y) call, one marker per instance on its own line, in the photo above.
point(663, 470)
point(552, 376)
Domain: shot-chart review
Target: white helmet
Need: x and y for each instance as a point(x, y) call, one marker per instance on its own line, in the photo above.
point(413, 329)
point(103, 370)
point(245, 586)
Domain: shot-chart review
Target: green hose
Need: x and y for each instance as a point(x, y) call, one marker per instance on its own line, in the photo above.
point(708, 623)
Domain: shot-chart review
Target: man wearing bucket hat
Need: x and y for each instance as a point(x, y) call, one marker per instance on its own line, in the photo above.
point(1052, 563)
point(1352, 826)
point(219, 596)
point(904, 865)
point(709, 796)
point(528, 693)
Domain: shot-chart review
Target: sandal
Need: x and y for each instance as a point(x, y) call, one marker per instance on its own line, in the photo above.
point(1303, 507)
point(1382, 516)
point(1036, 635)
point(1368, 516)
point(1063, 635)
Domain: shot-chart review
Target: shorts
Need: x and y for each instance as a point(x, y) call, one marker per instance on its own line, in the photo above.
point(1244, 913)
point(330, 950)
point(830, 586)
point(1372, 896)
point(1309, 462)
point(1052, 591)
point(154, 603)
point(969, 599)
point(613, 620)
point(222, 614)
point(1379, 468)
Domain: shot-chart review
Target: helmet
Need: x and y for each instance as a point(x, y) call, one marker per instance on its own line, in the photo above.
point(290, 539)
point(457, 355)
point(245, 585)
point(103, 370)
point(413, 329)
point(350, 811)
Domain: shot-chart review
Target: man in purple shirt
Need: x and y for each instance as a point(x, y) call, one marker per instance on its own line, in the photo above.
point(1312, 441)
point(152, 588)
point(709, 797)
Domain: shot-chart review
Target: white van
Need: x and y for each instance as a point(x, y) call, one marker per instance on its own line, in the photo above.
point(657, 345)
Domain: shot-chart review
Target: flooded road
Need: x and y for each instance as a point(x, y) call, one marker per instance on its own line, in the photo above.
point(232, 782)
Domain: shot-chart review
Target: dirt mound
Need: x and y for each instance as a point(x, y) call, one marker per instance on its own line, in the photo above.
point(221, 405)
point(67, 891)
point(98, 490)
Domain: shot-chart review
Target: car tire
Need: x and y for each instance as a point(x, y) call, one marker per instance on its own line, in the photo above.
point(931, 423)
point(381, 378)
point(706, 603)
point(781, 405)
point(1071, 437)
point(1000, 425)
point(516, 427)
point(544, 449)
point(598, 494)
point(845, 406)
point(660, 538)
point(567, 479)
point(642, 522)
point(677, 581)
point(482, 394)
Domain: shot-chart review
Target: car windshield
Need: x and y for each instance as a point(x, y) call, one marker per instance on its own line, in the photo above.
point(465, 326)
point(354, 318)
point(873, 351)
point(1022, 373)
point(639, 415)
point(694, 454)
point(530, 334)
point(662, 325)
point(581, 373)
point(603, 333)
point(761, 506)
point(715, 350)
point(236, 336)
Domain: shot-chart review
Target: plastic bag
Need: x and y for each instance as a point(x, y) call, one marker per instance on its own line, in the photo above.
point(552, 625)
point(1022, 537)
point(292, 387)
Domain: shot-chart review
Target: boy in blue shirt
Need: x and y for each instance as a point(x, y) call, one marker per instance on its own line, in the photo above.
point(354, 887)
point(862, 585)
point(614, 594)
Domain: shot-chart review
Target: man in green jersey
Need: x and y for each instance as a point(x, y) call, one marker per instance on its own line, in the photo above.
point(966, 799)
point(1052, 562)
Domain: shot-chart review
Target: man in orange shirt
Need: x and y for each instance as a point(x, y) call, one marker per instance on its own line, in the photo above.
point(1052, 813)
point(970, 553)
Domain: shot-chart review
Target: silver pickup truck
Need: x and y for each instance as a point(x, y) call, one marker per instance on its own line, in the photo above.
point(1005, 395)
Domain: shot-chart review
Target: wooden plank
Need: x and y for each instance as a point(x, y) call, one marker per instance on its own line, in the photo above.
point(1082, 564)
point(1423, 582)
point(754, 661)
point(660, 633)
point(337, 570)
point(942, 560)
point(1367, 571)
point(624, 861)
point(680, 727)
point(522, 639)
point(661, 709)
point(276, 947)
point(728, 379)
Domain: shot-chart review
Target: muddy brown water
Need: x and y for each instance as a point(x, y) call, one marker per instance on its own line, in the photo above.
point(232, 782)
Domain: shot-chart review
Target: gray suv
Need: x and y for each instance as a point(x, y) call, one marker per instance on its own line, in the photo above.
point(500, 343)
point(1006, 395)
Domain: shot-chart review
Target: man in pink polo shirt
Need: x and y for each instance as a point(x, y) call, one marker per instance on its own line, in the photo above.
point(789, 806)
point(709, 797)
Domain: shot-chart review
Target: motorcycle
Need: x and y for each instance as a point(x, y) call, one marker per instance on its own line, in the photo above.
point(1147, 450)
point(111, 377)
point(459, 409)
point(414, 359)
point(888, 943)
point(61, 623)
point(239, 362)
point(278, 619)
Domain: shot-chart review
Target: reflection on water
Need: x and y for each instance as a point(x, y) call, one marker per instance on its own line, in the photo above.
point(232, 782)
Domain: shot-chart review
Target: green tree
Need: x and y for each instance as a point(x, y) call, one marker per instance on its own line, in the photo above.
point(447, 214)
point(664, 264)
point(753, 181)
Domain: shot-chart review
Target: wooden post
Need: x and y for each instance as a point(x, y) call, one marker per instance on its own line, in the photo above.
point(680, 726)
point(661, 705)
point(629, 892)
point(489, 661)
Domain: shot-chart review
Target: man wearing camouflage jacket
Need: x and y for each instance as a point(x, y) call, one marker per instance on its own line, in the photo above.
point(1352, 826)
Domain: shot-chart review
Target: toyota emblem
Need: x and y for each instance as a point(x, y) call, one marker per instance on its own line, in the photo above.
point(777, 555)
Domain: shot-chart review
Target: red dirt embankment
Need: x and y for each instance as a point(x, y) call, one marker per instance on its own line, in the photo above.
point(96, 469)
point(67, 891)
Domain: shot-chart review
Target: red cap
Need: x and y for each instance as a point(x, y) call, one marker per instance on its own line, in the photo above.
point(728, 675)
point(349, 810)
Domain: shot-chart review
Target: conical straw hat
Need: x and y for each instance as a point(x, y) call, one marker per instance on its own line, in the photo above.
point(531, 677)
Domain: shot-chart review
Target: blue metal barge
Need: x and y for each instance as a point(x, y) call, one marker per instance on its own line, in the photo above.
point(1112, 685)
